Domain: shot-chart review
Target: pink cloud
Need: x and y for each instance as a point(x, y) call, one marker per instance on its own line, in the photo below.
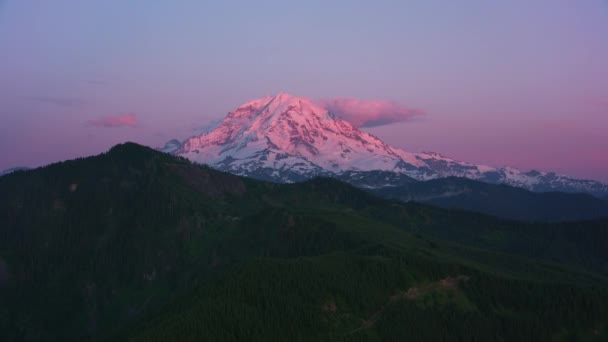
point(115, 121)
point(369, 113)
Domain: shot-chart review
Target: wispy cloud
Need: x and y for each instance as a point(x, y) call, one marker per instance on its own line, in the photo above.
point(370, 113)
point(64, 102)
point(124, 120)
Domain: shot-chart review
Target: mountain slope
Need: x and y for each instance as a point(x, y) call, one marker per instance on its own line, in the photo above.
point(91, 243)
point(14, 169)
point(284, 132)
point(286, 138)
point(498, 200)
point(135, 244)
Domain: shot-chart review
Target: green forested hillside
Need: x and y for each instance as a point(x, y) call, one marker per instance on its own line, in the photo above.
point(138, 245)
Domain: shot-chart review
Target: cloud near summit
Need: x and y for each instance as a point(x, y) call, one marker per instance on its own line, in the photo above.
point(115, 121)
point(369, 113)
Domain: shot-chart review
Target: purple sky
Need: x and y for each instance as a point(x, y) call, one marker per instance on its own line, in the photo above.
point(518, 82)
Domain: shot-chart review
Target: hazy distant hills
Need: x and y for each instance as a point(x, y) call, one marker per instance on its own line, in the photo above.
point(139, 245)
point(499, 200)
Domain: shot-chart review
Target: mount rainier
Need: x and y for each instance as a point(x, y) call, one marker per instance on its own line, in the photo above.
point(284, 138)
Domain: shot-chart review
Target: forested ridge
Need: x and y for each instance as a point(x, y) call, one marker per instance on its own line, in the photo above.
point(138, 245)
point(499, 200)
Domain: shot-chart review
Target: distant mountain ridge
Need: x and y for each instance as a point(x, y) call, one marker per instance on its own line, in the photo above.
point(284, 138)
point(171, 146)
point(498, 200)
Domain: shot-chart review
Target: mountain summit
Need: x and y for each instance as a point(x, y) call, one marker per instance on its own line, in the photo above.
point(292, 137)
point(286, 138)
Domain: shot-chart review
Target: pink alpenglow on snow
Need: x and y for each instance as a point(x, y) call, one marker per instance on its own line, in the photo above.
point(487, 75)
point(287, 138)
point(124, 120)
point(370, 113)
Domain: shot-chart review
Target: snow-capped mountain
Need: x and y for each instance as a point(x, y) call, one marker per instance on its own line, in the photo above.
point(286, 138)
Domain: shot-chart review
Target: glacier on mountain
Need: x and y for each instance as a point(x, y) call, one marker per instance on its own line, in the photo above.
point(285, 138)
